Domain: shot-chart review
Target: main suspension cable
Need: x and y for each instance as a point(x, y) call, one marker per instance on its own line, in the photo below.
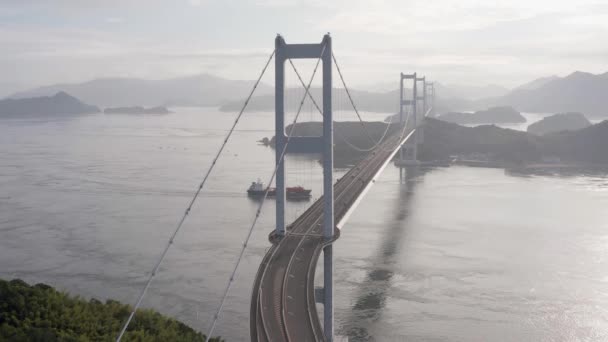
point(191, 204)
point(353, 146)
point(350, 98)
point(259, 210)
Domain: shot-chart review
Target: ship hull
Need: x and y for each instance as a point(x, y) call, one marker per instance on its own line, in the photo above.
point(260, 193)
point(295, 196)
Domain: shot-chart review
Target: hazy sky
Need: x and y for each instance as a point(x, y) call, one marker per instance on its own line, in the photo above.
point(463, 41)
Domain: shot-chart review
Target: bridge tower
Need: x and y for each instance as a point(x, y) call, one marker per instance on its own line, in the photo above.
point(322, 144)
point(408, 155)
point(419, 134)
point(431, 97)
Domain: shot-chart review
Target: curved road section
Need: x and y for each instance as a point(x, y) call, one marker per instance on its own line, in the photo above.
point(283, 304)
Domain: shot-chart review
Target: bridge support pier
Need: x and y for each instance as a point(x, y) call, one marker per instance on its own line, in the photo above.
point(328, 292)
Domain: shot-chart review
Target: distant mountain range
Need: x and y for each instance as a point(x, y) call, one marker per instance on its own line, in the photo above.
point(58, 104)
point(387, 102)
point(448, 90)
point(366, 101)
point(7, 88)
point(578, 92)
point(469, 92)
point(535, 84)
point(200, 90)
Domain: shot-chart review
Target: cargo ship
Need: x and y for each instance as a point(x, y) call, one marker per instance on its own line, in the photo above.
point(257, 190)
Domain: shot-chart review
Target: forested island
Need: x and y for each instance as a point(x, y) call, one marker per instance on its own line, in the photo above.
point(61, 103)
point(494, 115)
point(559, 122)
point(345, 133)
point(444, 141)
point(41, 313)
point(583, 147)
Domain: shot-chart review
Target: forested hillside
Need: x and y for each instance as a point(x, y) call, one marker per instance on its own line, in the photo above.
point(41, 313)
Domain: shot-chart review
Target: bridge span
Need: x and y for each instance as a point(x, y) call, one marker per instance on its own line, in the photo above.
point(283, 304)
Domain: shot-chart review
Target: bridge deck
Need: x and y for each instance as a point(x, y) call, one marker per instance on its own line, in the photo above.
point(283, 304)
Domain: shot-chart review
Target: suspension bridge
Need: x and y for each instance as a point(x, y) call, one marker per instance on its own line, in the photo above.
point(284, 299)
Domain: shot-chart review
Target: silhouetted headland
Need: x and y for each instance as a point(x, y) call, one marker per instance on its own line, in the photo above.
point(41, 313)
point(494, 115)
point(60, 104)
point(507, 147)
point(345, 132)
point(559, 122)
point(485, 145)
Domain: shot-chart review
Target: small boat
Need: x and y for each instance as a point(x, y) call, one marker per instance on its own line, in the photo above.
point(297, 193)
point(257, 190)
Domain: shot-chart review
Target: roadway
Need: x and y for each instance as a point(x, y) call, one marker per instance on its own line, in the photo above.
point(283, 300)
